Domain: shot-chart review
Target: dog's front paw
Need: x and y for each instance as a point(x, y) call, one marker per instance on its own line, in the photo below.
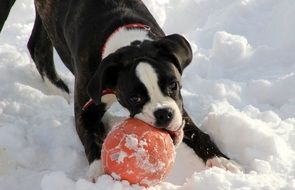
point(224, 163)
point(94, 171)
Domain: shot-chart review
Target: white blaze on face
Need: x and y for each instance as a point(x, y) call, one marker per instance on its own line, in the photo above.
point(148, 76)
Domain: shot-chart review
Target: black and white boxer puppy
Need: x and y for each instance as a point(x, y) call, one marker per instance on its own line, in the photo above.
point(117, 52)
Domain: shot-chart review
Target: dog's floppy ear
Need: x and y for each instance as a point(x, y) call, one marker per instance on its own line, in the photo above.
point(105, 77)
point(177, 49)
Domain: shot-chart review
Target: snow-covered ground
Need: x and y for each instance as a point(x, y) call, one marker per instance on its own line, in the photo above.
point(240, 88)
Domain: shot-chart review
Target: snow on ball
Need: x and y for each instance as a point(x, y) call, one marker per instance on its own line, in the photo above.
point(137, 152)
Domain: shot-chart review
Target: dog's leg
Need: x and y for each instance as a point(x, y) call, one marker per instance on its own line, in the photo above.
point(5, 6)
point(90, 128)
point(41, 50)
point(92, 132)
point(205, 148)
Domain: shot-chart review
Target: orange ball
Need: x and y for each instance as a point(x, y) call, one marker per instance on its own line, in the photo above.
point(137, 152)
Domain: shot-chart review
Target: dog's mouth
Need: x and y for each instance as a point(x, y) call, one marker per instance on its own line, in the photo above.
point(176, 135)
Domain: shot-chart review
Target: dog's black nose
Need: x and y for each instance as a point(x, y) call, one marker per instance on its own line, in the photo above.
point(163, 116)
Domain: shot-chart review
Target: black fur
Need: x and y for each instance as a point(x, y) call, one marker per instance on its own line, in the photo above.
point(41, 50)
point(5, 6)
point(78, 30)
point(173, 48)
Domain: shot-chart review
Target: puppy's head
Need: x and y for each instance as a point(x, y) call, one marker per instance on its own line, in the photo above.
point(146, 79)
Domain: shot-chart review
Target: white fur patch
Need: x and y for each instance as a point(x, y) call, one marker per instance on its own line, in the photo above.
point(94, 171)
point(110, 120)
point(55, 90)
point(123, 37)
point(108, 99)
point(224, 163)
point(147, 75)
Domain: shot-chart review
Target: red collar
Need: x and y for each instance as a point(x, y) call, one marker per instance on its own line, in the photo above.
point(91, 102)
point(127, 26)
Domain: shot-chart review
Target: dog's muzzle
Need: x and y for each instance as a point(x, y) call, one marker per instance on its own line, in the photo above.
point(177, 135)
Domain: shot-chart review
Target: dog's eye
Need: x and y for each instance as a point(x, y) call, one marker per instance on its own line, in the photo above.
point(136, 99)
point(172, 86)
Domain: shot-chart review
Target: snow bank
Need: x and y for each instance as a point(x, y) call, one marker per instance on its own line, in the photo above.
point(239, 89)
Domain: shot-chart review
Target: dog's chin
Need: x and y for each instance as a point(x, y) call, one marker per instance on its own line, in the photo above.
point(176, 136)
point(176, 131)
